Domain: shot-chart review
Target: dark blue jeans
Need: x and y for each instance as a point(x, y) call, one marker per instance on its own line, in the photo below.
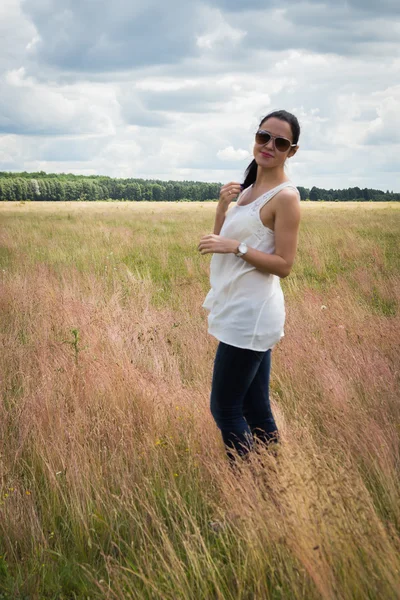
point(240, 401)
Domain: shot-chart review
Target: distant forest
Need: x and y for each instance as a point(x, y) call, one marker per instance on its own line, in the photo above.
point(56, 187)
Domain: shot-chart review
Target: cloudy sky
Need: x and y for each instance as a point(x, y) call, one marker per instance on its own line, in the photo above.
point(175, 90)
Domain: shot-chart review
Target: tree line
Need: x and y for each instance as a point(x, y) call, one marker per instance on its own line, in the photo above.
point(57, 187)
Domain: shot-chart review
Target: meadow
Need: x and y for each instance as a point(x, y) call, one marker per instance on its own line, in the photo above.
point(113, 478)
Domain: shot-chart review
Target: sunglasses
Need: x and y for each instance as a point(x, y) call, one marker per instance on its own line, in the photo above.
point(281, 143)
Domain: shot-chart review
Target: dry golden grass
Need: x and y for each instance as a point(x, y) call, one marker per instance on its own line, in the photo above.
point(113, 479)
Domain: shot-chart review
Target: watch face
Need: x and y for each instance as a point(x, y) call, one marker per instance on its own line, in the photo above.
point(242, 247)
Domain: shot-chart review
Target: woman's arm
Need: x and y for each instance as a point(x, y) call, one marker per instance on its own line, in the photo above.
point(228, 193)
point(286, 227)
point(287, 222)
point(219, 218)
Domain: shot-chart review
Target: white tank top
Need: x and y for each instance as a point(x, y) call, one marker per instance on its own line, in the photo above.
point(247, 308)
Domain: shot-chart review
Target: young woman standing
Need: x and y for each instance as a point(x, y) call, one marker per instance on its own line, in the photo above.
point(254, 245)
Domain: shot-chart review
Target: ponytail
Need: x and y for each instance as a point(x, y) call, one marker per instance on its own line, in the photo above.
point(250, 174)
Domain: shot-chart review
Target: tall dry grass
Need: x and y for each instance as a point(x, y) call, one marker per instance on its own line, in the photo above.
point(114, 481)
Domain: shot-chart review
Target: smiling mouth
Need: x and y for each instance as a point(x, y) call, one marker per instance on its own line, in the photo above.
point(266, 154)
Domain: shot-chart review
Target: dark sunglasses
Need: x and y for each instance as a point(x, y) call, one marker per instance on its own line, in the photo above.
point(281, 143)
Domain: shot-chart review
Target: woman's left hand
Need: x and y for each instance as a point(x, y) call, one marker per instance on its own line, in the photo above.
point(217, 244)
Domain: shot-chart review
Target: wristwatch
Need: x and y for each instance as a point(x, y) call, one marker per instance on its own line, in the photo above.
point(241, 249)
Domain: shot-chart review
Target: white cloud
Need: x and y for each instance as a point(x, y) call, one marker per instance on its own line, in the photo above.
point(220, 33)
point(385, 129)
point(370, 121)
point(230, 154)
point(28, 106)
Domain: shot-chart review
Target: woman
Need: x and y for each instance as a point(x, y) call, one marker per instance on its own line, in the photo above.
point(254, 245)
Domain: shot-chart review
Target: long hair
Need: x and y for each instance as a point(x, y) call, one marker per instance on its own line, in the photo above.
point(250, 174)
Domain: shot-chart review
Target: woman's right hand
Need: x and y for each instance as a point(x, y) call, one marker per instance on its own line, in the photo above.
point(229, 192)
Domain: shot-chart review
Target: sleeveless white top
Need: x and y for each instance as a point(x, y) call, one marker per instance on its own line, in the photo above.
point(247, 308)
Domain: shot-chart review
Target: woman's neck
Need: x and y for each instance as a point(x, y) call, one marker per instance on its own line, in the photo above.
point(269, 178)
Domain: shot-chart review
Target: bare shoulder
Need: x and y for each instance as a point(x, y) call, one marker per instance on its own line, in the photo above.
point(288, 196)
point(287, 207)
point(282, 208)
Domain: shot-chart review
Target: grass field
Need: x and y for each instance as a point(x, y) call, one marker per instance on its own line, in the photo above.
point(113, 478)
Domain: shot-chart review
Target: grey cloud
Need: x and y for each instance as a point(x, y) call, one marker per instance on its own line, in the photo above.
point(135, 112)
point(27, 108)
point(319, 28)
point(366, 114)
point(104, 36)
point(199, 99)
point(348, 28)
point(383, 136)
point(392, 166)
point(30, 148)
point(70, 149)
point(16, 31)
point(150, 108)
point(365, 6)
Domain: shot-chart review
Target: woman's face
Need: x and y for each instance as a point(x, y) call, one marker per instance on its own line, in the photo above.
point(268, 155)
